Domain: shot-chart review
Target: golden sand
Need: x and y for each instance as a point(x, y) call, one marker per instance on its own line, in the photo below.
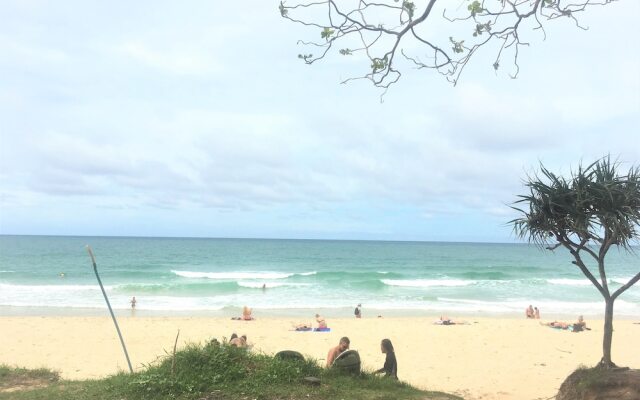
point(491, 358)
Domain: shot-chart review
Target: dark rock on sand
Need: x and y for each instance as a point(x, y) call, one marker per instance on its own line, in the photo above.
point(601, 384)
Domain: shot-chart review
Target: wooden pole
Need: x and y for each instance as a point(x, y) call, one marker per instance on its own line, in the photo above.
point(95, 269)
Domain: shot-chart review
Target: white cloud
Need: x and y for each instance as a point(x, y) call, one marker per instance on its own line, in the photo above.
point(182, 111)
point(179, 61)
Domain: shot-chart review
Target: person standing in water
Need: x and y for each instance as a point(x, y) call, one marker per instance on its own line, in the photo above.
point(133, 303)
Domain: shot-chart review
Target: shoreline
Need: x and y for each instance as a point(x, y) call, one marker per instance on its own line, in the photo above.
point(228, 312)
point(495, 358)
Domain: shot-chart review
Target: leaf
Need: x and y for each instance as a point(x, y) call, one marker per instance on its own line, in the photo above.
point(475, 8)
point(409, 7)
point(457, 46)
point(326, 33)
point(378, 64)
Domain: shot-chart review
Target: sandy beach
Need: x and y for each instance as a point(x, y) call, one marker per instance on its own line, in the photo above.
point(490, 358)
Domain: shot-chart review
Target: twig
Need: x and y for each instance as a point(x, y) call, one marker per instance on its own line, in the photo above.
point(564, 351)
point(173, 360)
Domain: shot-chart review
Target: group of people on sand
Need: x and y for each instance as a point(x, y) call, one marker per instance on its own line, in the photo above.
point(578, 326)
point(532, 312)
point(390, 367)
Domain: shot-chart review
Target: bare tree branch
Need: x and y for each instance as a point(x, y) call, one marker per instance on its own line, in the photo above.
point(626, 286)
point(400, 26)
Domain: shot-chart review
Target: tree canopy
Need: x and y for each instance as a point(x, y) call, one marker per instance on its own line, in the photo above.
point(590, 212)
point(387, 31)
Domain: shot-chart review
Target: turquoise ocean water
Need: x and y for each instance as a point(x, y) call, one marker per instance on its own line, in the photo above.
point(218, 276)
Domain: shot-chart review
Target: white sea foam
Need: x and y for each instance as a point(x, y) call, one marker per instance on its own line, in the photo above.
point(6, 272)
point(585, 282)
point(622, 281)
point(89, 296)
point(426, 282)
point(307, 273)
point(259, 285)
point(52, 295)
point(40, 289)
point(570, 282)
point(233, 275)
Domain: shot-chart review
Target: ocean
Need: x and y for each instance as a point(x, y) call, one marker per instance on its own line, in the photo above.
point(190, 276)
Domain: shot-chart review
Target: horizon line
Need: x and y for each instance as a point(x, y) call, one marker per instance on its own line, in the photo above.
point(254, 238)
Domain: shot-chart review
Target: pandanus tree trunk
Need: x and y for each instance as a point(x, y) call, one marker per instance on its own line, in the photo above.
point(608, 334)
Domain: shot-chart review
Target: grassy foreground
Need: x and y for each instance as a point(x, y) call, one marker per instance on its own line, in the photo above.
point(212, 372)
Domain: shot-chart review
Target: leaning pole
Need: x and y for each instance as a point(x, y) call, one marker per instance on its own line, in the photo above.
point(95, 269)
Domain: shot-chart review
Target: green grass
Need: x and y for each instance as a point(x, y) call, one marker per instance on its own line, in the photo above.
point(221, 372)
point(16, 378)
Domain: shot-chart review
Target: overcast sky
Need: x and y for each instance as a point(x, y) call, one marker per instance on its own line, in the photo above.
point(196, 119)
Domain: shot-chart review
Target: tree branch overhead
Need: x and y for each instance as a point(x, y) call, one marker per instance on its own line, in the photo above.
point(397, 34)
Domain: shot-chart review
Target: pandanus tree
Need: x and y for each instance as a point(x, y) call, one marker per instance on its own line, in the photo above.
point(594, 210)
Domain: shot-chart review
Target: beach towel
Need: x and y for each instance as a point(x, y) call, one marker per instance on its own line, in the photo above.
point(322, 329)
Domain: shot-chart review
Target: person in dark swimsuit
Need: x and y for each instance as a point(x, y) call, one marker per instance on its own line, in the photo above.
point(390, 367)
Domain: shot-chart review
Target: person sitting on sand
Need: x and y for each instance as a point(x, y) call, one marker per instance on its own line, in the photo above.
point(322, 324)
point(580, 325)
point(238, 341)
point(529, 312)
point(335, 351)
point(390, 367)
point(246, 314)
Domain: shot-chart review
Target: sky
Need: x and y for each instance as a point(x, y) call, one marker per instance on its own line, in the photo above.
point(197, 119)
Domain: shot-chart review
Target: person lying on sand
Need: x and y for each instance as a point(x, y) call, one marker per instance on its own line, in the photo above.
point(448, 321)
point(556, 324)
point(335, 351)
point(303, 327)
point(574, 327)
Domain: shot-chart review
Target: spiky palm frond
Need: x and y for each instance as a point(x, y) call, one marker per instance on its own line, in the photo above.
point(596, 204)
